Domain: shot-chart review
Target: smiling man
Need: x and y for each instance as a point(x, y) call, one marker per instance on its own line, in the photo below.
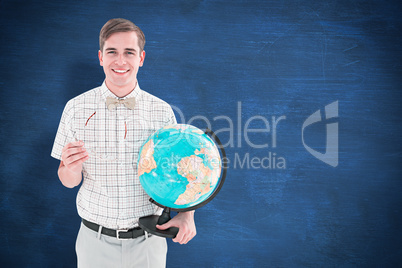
point(97, 143)
point(121, 57)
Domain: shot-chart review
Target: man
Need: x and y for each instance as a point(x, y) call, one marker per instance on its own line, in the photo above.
point(98, 142)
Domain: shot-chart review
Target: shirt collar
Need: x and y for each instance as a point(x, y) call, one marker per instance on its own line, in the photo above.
point(105, 92)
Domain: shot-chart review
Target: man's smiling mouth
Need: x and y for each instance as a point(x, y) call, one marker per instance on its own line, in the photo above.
point(120, 71)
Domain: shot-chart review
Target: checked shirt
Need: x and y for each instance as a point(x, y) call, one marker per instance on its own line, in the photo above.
point(111, 194)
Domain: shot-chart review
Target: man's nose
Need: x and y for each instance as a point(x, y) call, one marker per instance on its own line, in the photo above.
point(121, 60)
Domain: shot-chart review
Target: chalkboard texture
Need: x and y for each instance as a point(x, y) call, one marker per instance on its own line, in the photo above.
point(305, 96)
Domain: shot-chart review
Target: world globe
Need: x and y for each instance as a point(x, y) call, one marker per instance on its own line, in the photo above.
point(179, 167)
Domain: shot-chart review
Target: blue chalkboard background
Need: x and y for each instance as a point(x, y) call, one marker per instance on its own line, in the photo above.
point(236, 65)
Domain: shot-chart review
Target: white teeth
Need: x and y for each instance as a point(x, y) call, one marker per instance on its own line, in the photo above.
point(120, 71)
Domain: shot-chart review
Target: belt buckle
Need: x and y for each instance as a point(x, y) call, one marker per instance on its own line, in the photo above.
point(118, 232)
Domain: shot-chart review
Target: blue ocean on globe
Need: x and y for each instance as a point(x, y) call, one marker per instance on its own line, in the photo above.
point(179, 166)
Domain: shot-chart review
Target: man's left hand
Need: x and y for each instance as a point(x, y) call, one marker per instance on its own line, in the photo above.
point(185, 222)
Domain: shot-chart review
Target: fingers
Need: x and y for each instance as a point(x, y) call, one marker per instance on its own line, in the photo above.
point(77, 156)
point(73, 144)
point(185, 222)
point(164, 226)
point(183, 236)
point(74, 154)
point(180, 238)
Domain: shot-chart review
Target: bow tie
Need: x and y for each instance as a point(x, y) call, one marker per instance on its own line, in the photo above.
point(112, 103)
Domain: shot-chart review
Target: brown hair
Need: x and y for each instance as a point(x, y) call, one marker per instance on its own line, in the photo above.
point(120, 25)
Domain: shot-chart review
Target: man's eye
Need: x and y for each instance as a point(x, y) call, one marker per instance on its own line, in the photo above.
point(130, 53)
point(111, 52)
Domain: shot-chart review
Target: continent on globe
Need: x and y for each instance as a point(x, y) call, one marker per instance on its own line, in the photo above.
point(212, 160)
point(198, 175)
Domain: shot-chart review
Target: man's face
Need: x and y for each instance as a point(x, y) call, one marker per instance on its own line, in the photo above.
point(121, 59)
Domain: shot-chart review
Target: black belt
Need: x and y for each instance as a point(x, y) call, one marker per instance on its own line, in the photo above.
point(119, 234)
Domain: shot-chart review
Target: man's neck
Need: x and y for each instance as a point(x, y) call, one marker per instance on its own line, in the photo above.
point(121, 92)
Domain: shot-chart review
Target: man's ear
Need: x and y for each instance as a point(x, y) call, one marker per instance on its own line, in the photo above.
point(100, 56)
point(142, 57)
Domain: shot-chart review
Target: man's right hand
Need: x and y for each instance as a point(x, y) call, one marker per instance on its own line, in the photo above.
point(70, 169)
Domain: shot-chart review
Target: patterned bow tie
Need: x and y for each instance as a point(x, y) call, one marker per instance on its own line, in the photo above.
point(112, 103)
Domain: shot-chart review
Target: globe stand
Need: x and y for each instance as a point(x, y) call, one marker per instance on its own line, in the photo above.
point(149, 223)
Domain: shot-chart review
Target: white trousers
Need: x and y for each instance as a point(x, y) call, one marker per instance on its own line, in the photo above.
point(99, 251)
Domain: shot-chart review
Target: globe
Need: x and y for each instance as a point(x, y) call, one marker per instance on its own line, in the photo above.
point(179, 167)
